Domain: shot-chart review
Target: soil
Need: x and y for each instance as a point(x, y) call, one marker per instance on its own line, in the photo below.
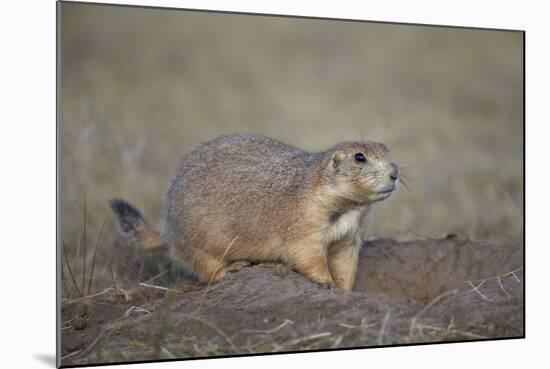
point(430, 290)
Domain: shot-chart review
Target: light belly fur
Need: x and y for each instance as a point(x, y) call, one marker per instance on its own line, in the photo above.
point(347, 224)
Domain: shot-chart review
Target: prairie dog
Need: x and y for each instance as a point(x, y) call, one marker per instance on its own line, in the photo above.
point(241, 199)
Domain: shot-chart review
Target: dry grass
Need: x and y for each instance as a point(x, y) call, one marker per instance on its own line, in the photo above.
point(272, 309)
point(142, 87)
point(168, 341)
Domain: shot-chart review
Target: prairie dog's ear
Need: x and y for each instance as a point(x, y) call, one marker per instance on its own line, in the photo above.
point(337, 158)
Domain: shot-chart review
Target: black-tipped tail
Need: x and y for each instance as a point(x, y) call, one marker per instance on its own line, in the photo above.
point(134, 227)
point(129, 218)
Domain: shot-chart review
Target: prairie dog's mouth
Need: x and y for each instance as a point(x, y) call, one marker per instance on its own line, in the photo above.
point(386, 189)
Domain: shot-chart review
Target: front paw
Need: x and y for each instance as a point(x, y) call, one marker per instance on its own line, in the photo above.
point(327, 285)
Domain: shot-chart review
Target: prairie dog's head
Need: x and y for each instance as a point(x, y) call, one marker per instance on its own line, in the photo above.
point(362, 171)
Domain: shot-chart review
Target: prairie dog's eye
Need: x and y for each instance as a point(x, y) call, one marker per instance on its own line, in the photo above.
point(360, 157)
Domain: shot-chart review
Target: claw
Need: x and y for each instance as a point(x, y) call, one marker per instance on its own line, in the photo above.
point(327, 285)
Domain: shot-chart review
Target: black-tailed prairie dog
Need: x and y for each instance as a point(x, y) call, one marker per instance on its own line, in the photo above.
point(242, 199)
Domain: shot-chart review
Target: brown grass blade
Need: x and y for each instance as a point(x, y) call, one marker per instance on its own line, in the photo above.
point(84, 246)
point(95, 253)
point(70, 269)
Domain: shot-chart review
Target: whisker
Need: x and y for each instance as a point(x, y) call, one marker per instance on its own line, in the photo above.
point(374, 175)
point(386, 133)
point(404, 184)
point(372, 172)
point(368, 177)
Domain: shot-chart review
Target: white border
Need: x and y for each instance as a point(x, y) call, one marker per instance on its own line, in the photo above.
point(432, 12)
point(28, 184)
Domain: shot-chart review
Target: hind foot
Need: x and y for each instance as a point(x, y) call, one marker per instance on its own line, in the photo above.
point(233, 267)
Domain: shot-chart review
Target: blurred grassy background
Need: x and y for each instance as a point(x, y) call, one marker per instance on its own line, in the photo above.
point(141, 87)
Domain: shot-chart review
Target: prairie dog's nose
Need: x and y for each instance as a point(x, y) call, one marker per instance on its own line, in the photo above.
point(394, 172)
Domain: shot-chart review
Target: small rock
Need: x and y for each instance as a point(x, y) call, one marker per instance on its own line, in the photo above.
point(79, 324)
point(72, 347)
point(451, 236)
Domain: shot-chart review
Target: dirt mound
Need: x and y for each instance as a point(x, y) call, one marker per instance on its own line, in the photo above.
point(421, 291)
point(424, 269)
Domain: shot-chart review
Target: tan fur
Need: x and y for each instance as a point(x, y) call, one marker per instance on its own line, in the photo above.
point(242, 199)
point(151, 241)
